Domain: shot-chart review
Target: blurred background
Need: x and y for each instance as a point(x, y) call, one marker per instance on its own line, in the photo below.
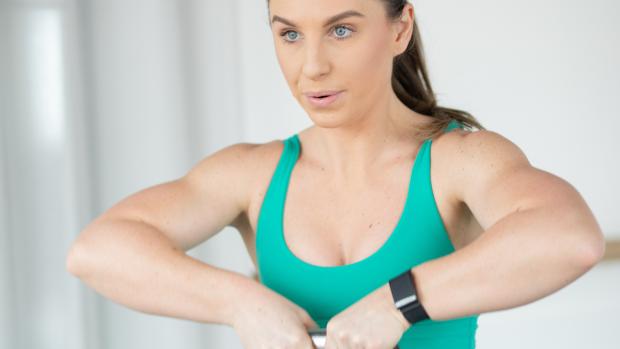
point(102, 98)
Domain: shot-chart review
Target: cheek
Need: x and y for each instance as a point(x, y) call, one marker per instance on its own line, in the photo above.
point(377, 55)
point(369, 65)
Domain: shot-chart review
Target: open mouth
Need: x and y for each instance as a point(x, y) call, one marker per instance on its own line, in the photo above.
point(324, 100)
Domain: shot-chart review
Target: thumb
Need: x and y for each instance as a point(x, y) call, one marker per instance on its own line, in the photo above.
point(308, 322)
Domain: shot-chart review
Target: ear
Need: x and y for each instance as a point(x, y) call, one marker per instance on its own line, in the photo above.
point(403, 29)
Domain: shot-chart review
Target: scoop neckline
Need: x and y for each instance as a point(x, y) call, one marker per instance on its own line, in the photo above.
point(374, 255)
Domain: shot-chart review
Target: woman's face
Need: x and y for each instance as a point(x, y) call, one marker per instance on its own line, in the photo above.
point(352, 54)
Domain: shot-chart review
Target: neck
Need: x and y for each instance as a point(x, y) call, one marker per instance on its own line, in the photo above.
point(350, 152)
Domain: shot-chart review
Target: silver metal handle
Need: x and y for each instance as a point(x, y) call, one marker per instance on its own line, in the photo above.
point(319, 336)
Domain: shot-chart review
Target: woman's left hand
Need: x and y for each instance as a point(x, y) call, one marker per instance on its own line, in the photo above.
point(371, 322)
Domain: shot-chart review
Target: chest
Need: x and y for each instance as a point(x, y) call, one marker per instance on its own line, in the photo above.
point(327, 223)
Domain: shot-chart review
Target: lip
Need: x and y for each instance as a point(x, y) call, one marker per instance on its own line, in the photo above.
point(325, 101)
point(321, 93)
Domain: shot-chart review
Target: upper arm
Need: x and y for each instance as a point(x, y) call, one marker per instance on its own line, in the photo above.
point(497, 179)
point(193, 208)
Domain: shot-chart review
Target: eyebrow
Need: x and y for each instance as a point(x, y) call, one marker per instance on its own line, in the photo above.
point(329, 21)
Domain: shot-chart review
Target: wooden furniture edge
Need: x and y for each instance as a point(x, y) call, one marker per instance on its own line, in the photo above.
point(612, 249)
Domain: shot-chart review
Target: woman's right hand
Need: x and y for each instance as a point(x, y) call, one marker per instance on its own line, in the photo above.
point(270, 320)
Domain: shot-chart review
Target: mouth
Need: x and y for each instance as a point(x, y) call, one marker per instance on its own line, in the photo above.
point(324, 93)
point(323, 99)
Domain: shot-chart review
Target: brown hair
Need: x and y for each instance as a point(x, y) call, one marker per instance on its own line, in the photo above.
point(412, 86)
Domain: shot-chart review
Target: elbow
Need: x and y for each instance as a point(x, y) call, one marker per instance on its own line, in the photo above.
point(83, 251)
point(75, 260)
point(71, 263)
point(593, 250)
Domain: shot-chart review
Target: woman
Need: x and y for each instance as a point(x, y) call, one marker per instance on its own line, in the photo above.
point(478, 231)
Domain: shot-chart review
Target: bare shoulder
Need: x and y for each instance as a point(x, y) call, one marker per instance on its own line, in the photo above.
point(493, 176)
point(255, 163)
point(484, 148)
point(215, 193)
point(463, 163)
point(483, 156)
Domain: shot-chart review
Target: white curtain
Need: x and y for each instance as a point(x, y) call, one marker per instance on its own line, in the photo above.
point(100, 99)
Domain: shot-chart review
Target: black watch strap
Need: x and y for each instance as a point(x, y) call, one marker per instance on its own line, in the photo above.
point(405, 297)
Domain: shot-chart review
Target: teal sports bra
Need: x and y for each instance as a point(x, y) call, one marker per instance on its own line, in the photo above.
point(324, 291)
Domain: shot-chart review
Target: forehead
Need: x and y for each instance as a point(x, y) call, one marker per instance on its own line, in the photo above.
point(317, 12)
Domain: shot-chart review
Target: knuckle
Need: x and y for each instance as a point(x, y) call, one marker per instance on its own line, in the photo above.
point(357, 342)
point(296, 341)
point(374, 345)
point(330, 327)
point(343, 336)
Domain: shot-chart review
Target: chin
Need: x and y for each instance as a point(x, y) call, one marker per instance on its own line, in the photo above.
point(332, 119)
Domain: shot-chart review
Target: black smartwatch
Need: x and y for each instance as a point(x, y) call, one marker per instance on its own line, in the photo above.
point(406, 299)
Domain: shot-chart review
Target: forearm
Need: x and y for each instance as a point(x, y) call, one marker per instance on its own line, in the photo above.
point(513, 263)
point(137, 266)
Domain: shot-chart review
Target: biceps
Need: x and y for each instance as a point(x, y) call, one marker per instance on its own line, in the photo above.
point(517, 189)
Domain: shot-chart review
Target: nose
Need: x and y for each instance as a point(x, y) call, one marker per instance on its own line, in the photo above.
point(316, 62)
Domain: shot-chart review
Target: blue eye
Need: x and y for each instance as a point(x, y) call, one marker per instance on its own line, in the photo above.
point(338, 37)
point(342, 27)
point(286, 34)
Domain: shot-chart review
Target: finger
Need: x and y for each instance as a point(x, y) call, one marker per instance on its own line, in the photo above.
point(310, 323)
point(330, 342)
point(339, 344)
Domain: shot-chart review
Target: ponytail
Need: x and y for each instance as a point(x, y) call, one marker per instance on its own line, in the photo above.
point(412, 86)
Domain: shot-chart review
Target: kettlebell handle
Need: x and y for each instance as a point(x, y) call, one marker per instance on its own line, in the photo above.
point(319, 336)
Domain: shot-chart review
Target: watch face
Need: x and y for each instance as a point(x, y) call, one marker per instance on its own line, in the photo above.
point(406, 300)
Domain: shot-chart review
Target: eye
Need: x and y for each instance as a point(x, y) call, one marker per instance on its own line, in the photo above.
point(339, 29)
point(285, 34)
point(342, 32)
